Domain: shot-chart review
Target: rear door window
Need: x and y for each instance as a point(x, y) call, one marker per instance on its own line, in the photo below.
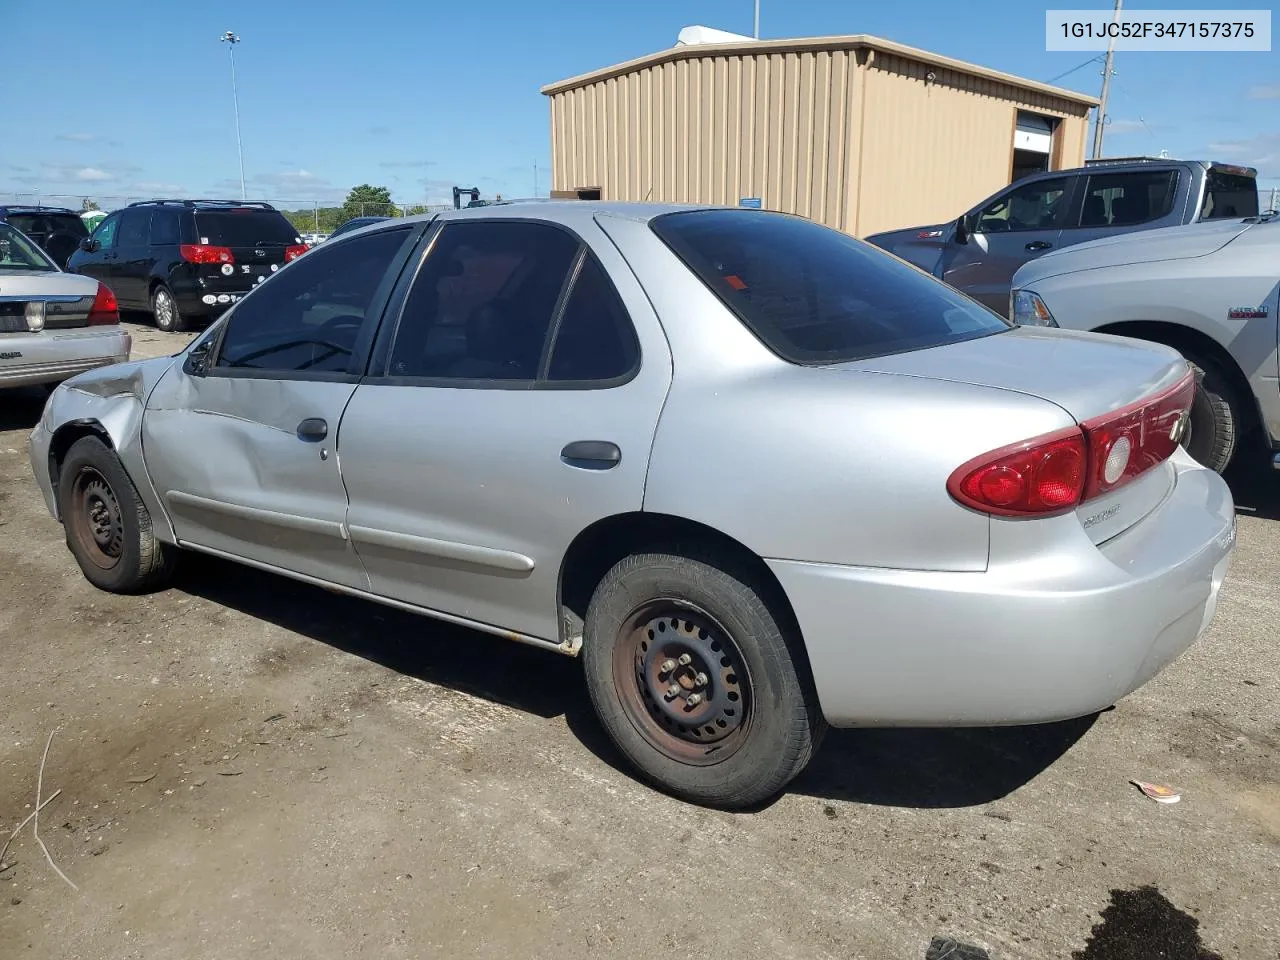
point(814, 295)
point(135, 226)
point(1228, 195)
point(165, 227)
point(244, 227)
point(1126, 199)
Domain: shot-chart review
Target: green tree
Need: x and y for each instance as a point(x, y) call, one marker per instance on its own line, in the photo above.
point(369, 201)
point(88, 204)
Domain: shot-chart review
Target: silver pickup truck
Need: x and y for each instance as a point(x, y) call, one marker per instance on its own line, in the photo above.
point(1210, 290)
point(979, 252)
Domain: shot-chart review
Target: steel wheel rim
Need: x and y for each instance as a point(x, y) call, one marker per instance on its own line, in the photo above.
point(668, 652)
point(96, 520)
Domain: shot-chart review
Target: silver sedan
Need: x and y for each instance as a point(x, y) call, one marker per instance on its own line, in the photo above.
point(759, 475)
point(53, 325)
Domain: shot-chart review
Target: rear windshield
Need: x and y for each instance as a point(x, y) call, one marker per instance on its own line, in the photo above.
point(33, 223)
point(814, 295)
point(1229, 195)
point(243, 227)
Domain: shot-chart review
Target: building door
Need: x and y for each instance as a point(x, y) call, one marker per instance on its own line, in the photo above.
point(1032, 145)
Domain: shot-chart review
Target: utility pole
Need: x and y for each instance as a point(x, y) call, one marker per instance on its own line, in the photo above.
point(230, 39)
point(1101, 120)
point(757, 27)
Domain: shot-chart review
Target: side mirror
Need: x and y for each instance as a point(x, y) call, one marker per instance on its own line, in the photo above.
point(88, 244)
point(962, 230)
point(197, 364)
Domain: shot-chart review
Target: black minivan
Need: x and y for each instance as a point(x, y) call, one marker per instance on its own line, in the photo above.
point(186, 261)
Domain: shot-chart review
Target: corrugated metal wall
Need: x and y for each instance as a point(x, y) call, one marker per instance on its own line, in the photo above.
point(790, 127)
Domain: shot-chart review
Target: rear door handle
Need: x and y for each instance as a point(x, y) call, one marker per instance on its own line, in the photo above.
point(313, 429)
point(1039, 245)
point(592, 454)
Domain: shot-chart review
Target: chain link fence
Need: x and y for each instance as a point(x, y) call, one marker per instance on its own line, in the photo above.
point(308, 216)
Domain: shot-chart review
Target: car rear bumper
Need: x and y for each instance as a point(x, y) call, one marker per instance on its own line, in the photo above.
point(54, 356)
point(920, 648)
point(215, 293)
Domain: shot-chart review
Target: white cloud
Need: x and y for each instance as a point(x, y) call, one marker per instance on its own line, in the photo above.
point(1129, 126)
point(91, 175)
point(1265, 91)
point(148, 186)
point(78, 137)
point(1262, 152)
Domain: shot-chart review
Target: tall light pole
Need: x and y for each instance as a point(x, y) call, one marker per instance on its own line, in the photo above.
point(230, 39)
point(1101, 121)
point(757, 33)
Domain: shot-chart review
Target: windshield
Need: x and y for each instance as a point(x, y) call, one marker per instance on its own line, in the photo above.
point(19, 253)
point(814, 295)
point(244, 227)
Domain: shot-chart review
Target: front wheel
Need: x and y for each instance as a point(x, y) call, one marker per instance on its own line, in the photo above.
point(108, 527)
point(1214, 423)
point(692, 676)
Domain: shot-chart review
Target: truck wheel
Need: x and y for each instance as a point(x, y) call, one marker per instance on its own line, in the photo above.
point(164, 308)
point(1214, 424)
point(691, 675)
point(108, 528)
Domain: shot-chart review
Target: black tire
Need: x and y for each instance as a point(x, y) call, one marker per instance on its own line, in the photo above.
point(1214, 425)
point(108, 528)
point(760, 715)
point(164, 307)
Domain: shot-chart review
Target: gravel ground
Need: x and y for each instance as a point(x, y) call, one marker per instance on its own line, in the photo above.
point(254, 767)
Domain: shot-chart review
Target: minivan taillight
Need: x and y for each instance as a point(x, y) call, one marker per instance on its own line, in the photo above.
point(105, 309)
point(206, 253)
point(294, 252)
point(1059, 471)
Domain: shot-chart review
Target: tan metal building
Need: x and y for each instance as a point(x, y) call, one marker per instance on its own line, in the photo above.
point(859, 133)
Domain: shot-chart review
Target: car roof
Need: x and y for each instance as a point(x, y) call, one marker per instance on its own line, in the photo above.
point(22, 208)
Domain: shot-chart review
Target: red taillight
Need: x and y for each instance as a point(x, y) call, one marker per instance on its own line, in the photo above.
point(1032, 478)
point(205, 253)
point(294, 252)
point(105, 310)
point(1059, 471)
point(1150, 430)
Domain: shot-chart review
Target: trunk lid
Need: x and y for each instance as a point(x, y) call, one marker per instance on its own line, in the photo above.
point(1088, 375)
point(67, 299)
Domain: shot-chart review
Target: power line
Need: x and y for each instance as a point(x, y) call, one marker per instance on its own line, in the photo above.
point(1074, 69)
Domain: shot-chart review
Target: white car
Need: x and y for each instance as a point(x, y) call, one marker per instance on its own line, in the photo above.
point(53, 325)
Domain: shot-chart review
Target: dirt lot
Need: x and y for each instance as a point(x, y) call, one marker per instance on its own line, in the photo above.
point(253, 767)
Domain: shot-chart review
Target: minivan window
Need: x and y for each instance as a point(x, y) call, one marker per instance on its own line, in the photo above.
point(244, 227)
point(814, 295)
point(1228, 195)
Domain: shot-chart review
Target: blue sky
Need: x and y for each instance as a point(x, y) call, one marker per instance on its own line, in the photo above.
point(420, 96)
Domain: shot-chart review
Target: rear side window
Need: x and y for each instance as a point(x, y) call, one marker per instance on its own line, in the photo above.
point(594, 339)
point(164, 227)
point(1229, 195)
point(244, 227)
point(307, 318)
point(814, 295)
point(482, 304)
point(1125, 199)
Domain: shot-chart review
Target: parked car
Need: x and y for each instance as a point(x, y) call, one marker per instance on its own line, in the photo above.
point(56, 230)
point(1211, 290)
point(979, 252)
point(185, 261)
point(760, 475)
point(53, 325)
point(355, 223)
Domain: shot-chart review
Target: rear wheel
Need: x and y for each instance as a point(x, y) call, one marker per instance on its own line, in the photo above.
point(691, 674)
point(107, 526)
point(165, 309)
point(1214, 425)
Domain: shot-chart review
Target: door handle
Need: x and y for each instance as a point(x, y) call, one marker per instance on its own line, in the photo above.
point(592, 454)
point(313, 430)
point(1039, 245)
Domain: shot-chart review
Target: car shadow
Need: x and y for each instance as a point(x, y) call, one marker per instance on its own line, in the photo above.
point(1255, 485)
point(22, 408)
point(893, 767)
